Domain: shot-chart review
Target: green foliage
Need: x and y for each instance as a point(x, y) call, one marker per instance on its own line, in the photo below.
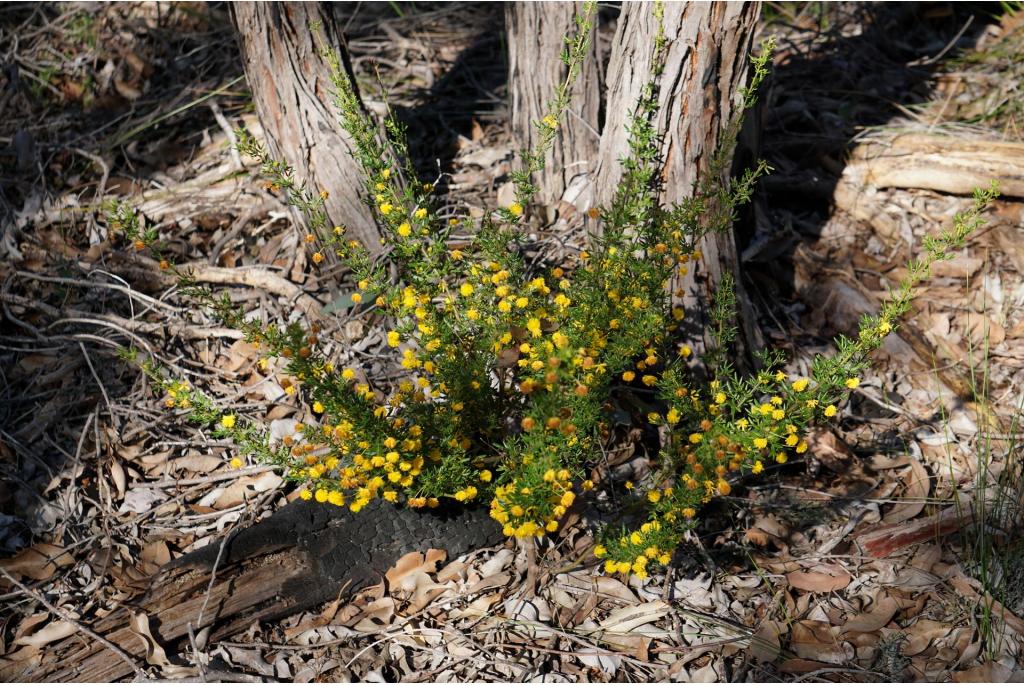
point(509, 365)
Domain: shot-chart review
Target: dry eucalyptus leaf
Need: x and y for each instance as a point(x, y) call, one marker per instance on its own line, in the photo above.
point(374, 615)
point(814, 640)
point(155, 654)
point(765, 645)
point(988, 672)
point(196, 463)
point(243, 489)
point(139, 500)
point(917, 484)
point(625, 619)
point(609, 663)
point(880, 614)
point(824, 578)
point(922, 634)
point(413, 563)
point(50, 633)
point(38, 562)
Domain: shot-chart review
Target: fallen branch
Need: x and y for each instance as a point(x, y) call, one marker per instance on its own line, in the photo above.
point(68, 315)
point(65, 616)
point(252, 276)
point(303, 555)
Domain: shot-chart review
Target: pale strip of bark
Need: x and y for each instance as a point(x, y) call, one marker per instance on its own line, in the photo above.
point(938, 162)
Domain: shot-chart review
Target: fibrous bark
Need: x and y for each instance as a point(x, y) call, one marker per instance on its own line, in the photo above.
point(705, 66)
point(291, 91)
point(536, 38)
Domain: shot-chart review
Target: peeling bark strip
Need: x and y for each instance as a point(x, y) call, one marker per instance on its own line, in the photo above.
point(536, 38)
point(706, 64)
point(291, 90)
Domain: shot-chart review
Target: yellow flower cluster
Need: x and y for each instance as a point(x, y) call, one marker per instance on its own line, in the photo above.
point(179, 395)
point(634, 551)
point(525, 511)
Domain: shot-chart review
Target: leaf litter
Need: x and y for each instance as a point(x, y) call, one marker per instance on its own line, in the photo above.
point(791, 592)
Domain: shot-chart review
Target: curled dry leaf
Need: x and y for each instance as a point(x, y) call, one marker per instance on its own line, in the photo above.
point(118, 476)
point(413, 563)
point(625, 619)
point(769, 530)
point(765, 644)
point(609, 663)
point(490, 582)
point(377, 613)
point(155, 654)
point(922, 634)
point(829, 449)
point(988, 672)
point(196, 463)
point(880, 614)
point(140, 500)
point(242, 490)
point(814, 640)
point(52, 632)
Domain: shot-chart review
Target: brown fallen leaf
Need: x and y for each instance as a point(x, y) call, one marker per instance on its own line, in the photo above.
point(38, 562)
point(823, 578)
point(802, 666)
point(768, 530)
point(922, 634)
point(988, 672)
point(374, 615)
point(814, 640)
point(58, 630)
point(155, 654)
point(244, 489)
point(880, 614)
point(915, 491)
point(413, 563)
point(985, 332)
point(625, 619)
point(766, 645)
point(829, 449)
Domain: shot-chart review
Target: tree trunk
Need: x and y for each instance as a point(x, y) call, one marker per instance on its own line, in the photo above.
point(536, 38)
point(706, 64)
point(291, 91)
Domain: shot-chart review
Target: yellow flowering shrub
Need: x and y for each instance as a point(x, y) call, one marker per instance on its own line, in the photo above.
point(508, 364)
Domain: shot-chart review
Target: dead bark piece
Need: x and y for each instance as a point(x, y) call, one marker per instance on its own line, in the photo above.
point(938, 162)
point(888, 539)
point(305, 554)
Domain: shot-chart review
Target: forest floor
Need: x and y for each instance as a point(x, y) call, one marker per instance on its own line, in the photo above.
point(892, 552)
